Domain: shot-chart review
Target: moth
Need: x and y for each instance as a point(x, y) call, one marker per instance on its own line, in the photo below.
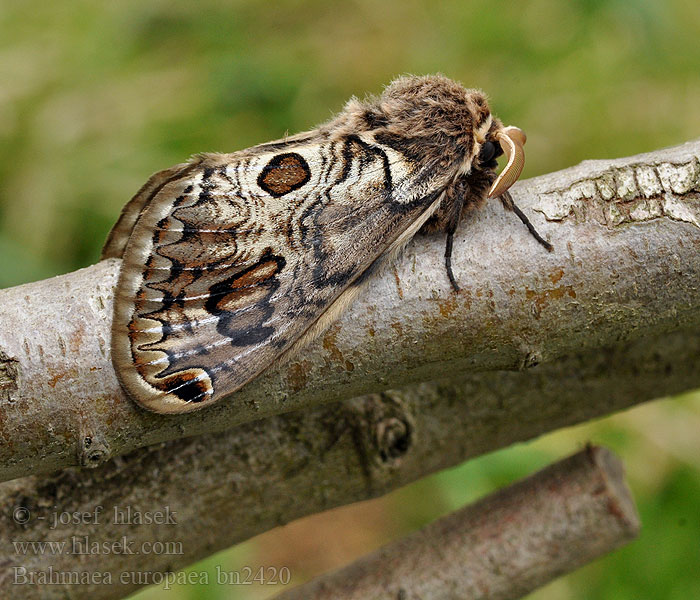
point(229, 261)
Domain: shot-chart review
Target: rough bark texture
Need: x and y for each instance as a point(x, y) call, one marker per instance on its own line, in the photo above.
point(626, 235)
point(227, 487)
point(502, 547)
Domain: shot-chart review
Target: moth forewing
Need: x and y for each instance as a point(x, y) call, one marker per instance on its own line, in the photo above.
point(232, 260)
point(187, 333)
point(119, 235)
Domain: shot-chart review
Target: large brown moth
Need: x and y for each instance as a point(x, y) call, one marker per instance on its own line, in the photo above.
point(230, 260)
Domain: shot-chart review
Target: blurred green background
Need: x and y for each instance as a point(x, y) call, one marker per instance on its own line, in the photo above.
point(96, 96)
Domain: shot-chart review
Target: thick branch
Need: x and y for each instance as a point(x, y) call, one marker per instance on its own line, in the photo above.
point(227, 487)
point(626, 236)
point(502, 547)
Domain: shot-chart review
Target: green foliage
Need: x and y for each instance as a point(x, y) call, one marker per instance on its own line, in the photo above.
point(96, 96)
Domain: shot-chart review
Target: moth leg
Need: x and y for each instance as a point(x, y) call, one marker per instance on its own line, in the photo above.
point(509, 204)
point(453, 221)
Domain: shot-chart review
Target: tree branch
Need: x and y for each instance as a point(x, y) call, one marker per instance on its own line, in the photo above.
point(626, 234)
point(227, 487)
point(503, 546)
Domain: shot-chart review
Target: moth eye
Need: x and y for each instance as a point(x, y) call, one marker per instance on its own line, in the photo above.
point(488, 152)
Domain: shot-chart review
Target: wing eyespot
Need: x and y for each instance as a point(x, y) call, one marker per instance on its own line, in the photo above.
point(192, 385)
point(283, 174)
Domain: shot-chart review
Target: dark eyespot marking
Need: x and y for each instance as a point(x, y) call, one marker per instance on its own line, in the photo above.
point(283, 174)
point(191, 385)
point(187, 387)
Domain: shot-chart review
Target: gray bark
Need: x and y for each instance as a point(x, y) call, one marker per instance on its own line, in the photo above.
point(227, 487)
point(626, 234)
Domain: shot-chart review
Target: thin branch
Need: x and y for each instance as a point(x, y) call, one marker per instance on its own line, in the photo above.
point(626, 235)
point(502, 547)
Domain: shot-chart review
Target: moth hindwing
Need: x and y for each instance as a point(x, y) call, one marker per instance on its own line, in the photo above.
point(231, 259)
